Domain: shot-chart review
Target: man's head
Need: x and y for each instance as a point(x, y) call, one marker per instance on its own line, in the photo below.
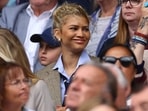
point(90, 80)
point(139, 98)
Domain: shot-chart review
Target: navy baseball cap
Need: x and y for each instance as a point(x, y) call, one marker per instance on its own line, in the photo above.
point(47, 37)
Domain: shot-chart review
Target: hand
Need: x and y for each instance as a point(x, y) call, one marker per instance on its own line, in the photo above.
point(143, 24)
point(60, 108)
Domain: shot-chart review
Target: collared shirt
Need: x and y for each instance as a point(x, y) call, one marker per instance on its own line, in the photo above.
point(37, 25)
point(60, 67)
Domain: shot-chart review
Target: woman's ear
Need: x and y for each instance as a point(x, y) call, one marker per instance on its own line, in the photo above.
point(57, 34)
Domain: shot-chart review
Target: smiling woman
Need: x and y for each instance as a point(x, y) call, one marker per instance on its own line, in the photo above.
point(71, 28)
point(14, 86)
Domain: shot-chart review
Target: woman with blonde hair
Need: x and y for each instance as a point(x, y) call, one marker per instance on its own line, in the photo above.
point(71, 28)
point(11, 50)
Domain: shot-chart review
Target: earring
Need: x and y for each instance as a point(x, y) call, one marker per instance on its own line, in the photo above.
point(59, 39)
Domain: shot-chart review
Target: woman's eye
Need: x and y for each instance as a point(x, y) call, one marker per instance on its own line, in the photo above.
point(14, 82)
point(73, 28)
point(86, 29)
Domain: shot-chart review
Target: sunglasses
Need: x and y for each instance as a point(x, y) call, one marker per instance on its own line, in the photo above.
point(125, 61)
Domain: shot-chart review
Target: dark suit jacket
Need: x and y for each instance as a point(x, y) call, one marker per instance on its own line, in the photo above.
point(52, 78)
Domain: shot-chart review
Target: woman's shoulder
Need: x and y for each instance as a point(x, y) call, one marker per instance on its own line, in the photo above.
point(39, 84)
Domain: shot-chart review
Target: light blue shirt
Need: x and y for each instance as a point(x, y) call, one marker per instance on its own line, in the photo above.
point(59, 66)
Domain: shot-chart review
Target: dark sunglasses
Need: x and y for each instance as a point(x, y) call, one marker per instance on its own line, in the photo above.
point(125, 61)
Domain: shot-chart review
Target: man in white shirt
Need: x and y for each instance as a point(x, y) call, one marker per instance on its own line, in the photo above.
point(28, 19)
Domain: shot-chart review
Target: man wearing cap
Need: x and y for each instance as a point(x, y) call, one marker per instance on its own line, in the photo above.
point(49, 48)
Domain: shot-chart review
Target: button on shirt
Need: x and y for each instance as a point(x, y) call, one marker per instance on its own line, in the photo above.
point(59, 66)
point(37, 25)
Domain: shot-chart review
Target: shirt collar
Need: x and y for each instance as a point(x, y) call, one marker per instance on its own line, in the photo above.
point(82, 60)
point(30, 11)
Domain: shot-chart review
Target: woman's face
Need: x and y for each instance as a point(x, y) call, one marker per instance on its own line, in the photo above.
point(119, 52)
point(131, 12)
point(17, 90)
point(74, 34)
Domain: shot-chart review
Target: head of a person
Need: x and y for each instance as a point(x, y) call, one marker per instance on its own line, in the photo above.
point(139, 98)
point(11, 49)
point(14, 85)
point(49, 49)
point(123, 57)
point(130, 14)
point(123, 87)
point(90, 80)
point(71, 27)
point(98, 104)
point(131, 10)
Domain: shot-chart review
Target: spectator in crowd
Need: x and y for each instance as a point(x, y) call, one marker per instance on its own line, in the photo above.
point(33, 17)
point(90, 80)
point(14, 86)
point(12, 50)
point(71, 28)
point(129, 29)
point(103, 25)
point(98, 104)
point(49, 49)
point(123, 57)
point(139, 98)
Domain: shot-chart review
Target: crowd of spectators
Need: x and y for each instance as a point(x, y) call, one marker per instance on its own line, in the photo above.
point(73, 55)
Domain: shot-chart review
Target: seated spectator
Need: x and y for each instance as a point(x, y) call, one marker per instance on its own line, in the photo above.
point(103, 24)
point(124, 59)
point(12, 50)
point(127, 34)
point(33, 17)
point(49, 49)
point(14, 86)
point(90, 80)
point(71, 28)
point(139, 98)
point(98, 104)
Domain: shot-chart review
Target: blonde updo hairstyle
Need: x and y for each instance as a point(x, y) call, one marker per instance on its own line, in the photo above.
point(64, 11)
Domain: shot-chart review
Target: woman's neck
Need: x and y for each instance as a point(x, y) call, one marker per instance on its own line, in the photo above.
point(108, 8)
point(132, 27)
point(70, 61)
